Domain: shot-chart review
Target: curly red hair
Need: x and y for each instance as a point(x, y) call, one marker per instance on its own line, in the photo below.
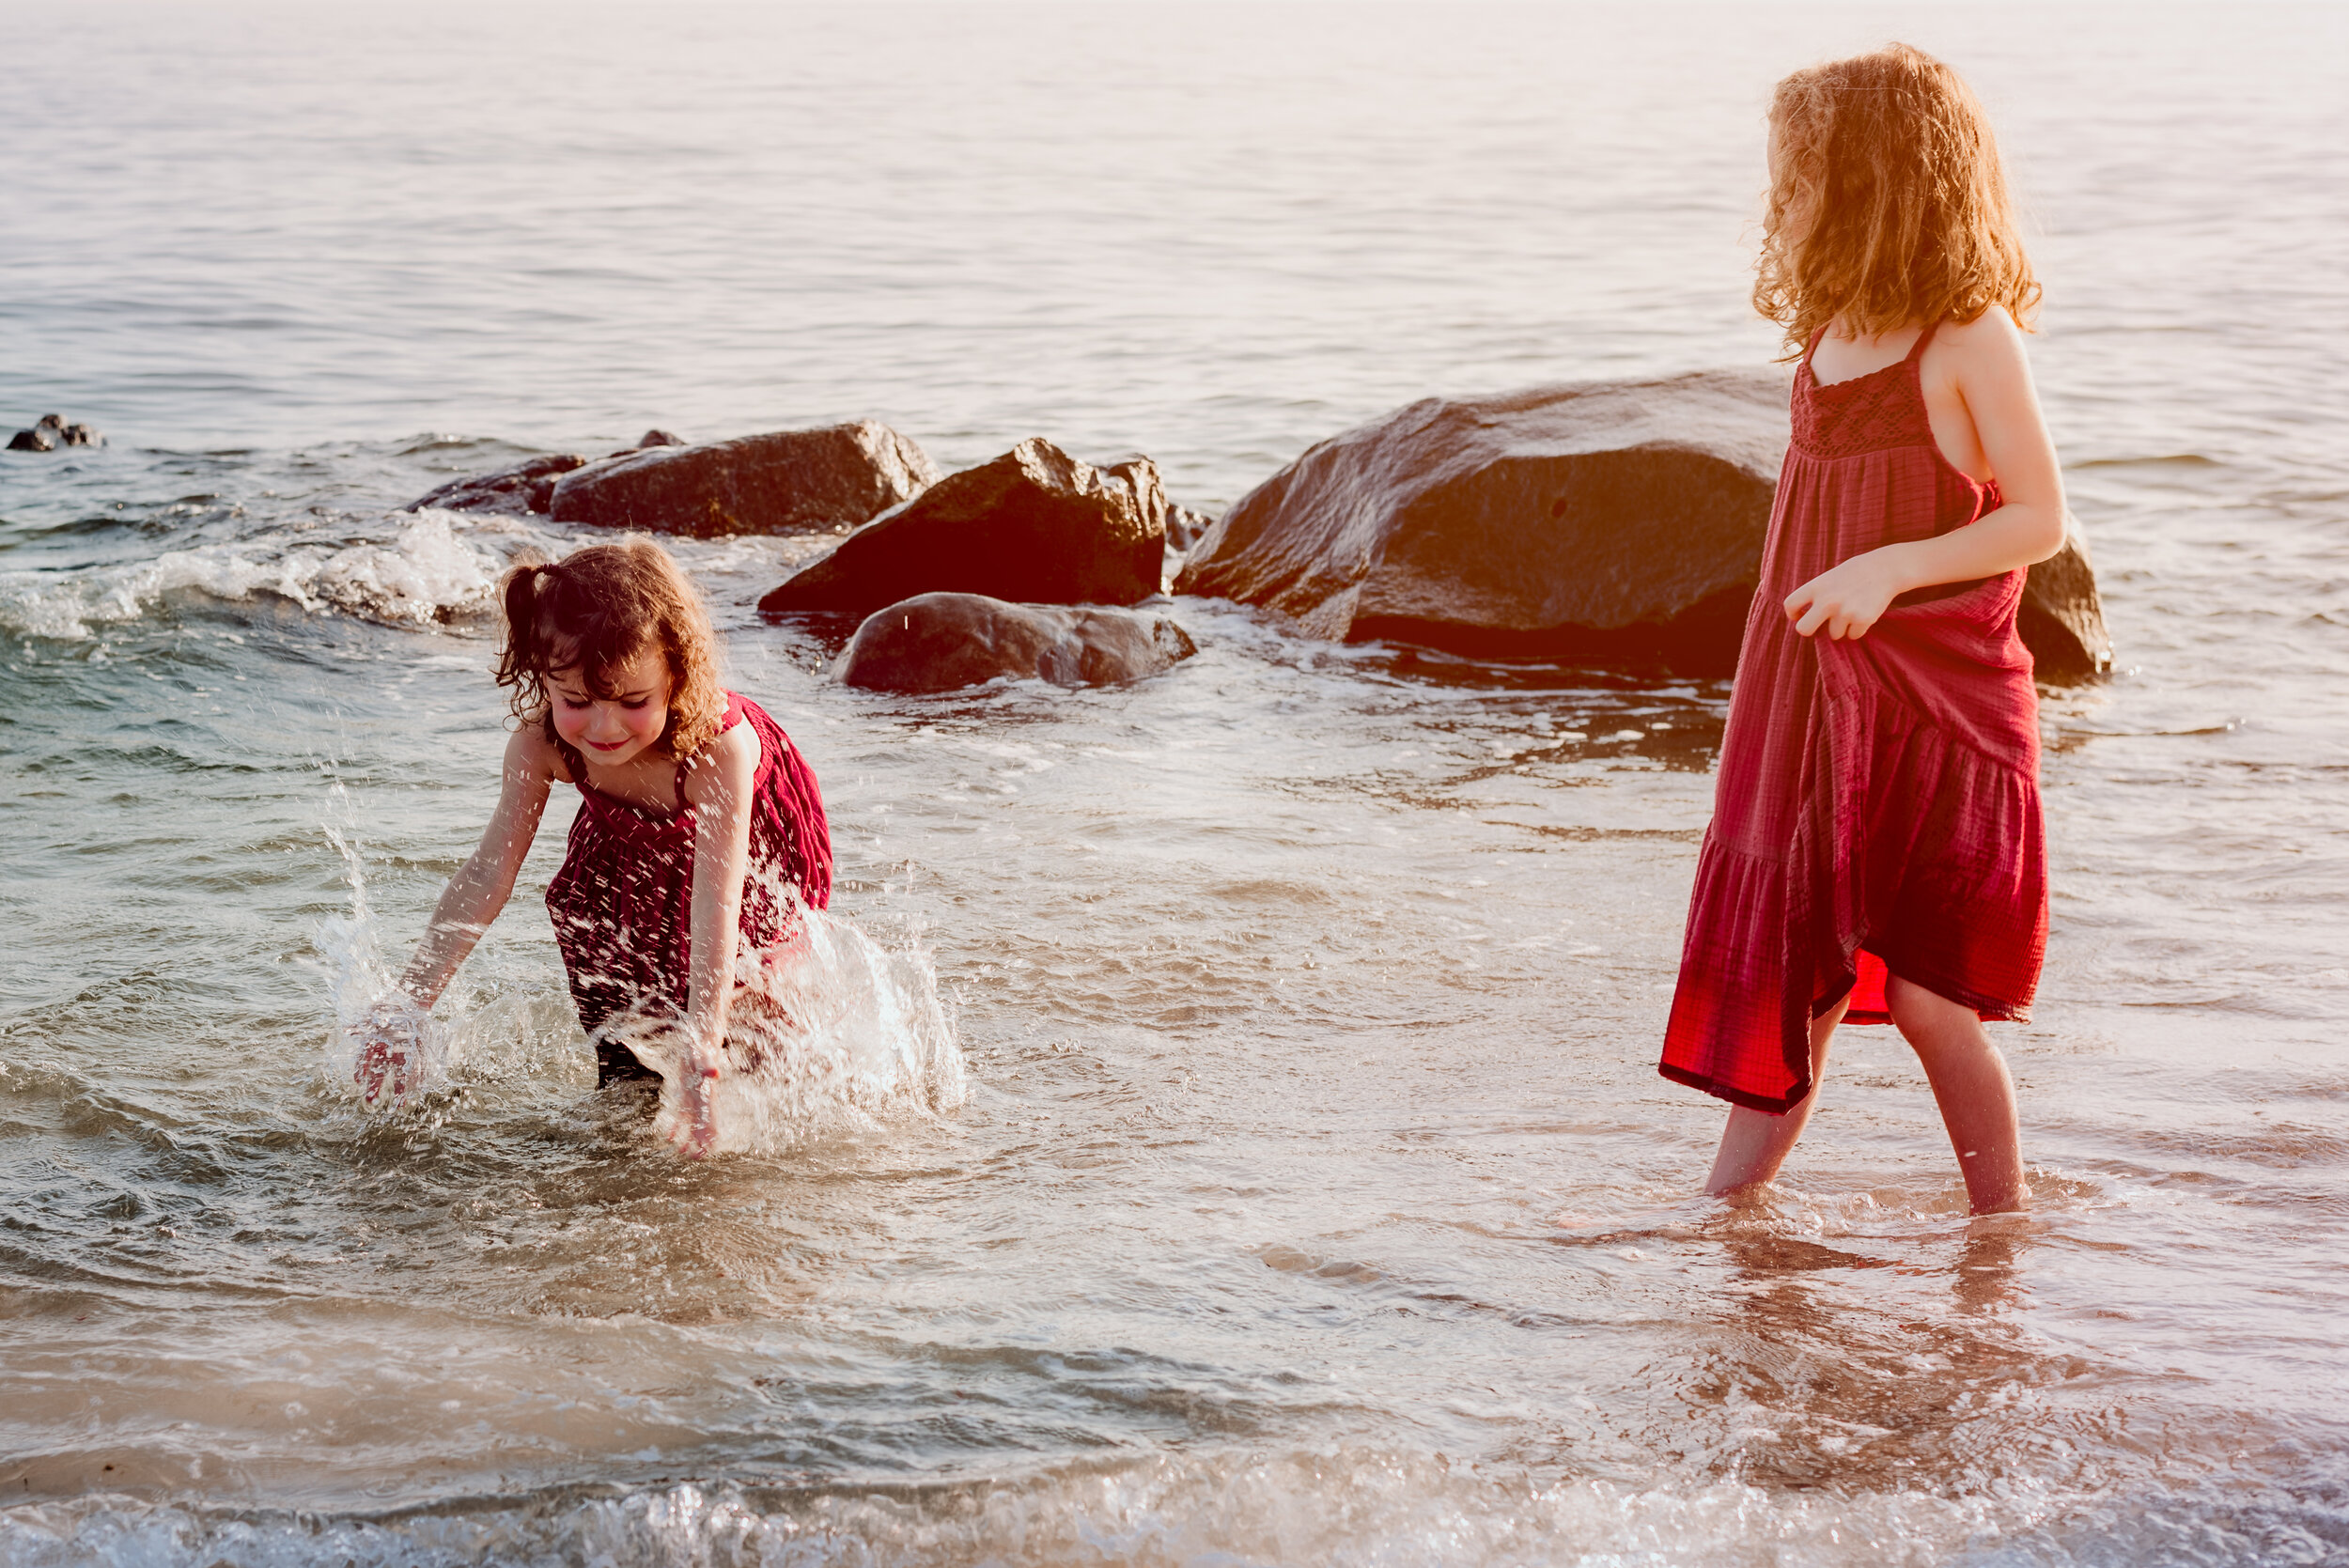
point(594, 611)
point(1888, 205)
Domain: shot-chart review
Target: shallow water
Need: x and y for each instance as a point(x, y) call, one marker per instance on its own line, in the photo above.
point(1314, 1199)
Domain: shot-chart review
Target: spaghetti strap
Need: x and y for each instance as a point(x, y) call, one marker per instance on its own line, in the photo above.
point(1917, 349)
point(1812, 346)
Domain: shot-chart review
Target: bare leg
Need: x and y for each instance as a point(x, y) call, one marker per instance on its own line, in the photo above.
point(1970, 1085)
point(1755, 1144)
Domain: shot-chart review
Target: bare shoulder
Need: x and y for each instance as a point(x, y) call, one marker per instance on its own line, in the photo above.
point(530, 756)
point(723, 768)
point(1990, 344)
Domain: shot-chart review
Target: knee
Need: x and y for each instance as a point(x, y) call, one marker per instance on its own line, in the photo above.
point(1926, 1018)
point(1922, 1010)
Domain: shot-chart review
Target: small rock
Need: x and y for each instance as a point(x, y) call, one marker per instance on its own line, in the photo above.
point(940, 641)
point(786, 481)
point(1036, 526)
point(658, 438)
point(1186, 528)
point(521, 490)
point(50, 431)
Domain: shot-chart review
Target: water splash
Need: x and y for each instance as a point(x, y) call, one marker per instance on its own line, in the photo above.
point(832, 1034)
point(359, 982)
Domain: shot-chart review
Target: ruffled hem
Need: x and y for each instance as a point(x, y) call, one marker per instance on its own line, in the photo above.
point(1915, 854)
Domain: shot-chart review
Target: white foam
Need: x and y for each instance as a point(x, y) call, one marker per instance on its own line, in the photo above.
point(426, 575)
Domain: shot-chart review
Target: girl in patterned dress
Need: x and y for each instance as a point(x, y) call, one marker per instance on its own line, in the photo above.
point(1876, 853)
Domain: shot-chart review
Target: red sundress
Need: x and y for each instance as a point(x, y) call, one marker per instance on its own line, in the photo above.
point(1877, 805)
point(623, 903)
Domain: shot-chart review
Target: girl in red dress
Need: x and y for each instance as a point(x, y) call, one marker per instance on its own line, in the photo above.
point(1875, 853)
point(697, 819)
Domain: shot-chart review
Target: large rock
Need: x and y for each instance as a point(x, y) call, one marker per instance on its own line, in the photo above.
point(1612, 521)
point(2062, 618)
point(1034, 525)
point(939, 642)
point(788, 481)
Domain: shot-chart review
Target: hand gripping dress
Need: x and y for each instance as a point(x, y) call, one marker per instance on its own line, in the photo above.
point(1877, 805)
point(623, 903)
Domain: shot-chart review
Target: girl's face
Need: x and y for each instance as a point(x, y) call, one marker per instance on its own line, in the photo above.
point(614, 731)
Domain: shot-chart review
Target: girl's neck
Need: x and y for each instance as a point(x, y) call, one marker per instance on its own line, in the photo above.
point(648, 781)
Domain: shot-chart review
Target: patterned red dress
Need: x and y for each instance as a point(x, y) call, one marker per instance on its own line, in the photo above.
point(1877, 806)
point(623, 903)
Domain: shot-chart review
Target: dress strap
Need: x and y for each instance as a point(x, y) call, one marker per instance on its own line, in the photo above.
point(1917, 349)
point(733, 716)
point(1812, 346)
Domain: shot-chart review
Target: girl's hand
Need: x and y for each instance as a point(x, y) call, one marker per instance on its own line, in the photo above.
point(390, 1047)
point(1844, 601)
point(696, 1130)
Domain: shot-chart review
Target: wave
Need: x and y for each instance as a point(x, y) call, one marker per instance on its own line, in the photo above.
point(1360, 1507)
point(426, 574)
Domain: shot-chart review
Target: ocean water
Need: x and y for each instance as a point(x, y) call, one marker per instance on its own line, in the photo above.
point(1259, 1157)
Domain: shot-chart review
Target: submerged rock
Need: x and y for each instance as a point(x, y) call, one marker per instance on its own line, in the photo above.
point(786, 481)
point(523, 488)
point(1034, 525)
point(1613, 521)
point(939, 642)
point(526, 487)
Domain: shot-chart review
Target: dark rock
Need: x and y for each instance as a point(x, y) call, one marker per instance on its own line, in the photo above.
point(50, 431)
point(658, 437)
point(2062, 617)
point(783, 482)
point(939, 642)
point(1034, 525)
point(1186, 528)
point(521, 490)
point(1610, 522)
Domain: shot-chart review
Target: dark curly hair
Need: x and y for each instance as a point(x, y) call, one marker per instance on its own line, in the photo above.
point(594, 611)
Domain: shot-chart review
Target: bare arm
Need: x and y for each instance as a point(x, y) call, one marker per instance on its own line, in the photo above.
point(718, 788)
point(482, 885)
point(1992, 376)
point(470, 901)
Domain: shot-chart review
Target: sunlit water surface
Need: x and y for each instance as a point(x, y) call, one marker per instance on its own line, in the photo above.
point(1283, 1176)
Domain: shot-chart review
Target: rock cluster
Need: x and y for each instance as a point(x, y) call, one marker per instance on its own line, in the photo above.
point(1616, 522)
point(1034, 525)
point(50, 431)
point(943, 641)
